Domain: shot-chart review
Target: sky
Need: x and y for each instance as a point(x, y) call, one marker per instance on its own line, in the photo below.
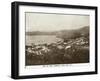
point(54, 22)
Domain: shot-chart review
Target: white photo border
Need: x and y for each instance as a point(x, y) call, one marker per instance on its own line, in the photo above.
point(72, 68)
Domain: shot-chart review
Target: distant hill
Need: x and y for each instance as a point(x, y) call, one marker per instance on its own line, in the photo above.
point(84, 30)
point(40, 33)
point(65, 34)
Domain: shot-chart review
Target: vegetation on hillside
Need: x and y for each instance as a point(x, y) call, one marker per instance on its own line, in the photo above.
point(73, 49)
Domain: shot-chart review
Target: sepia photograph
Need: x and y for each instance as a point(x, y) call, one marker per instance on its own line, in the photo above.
point(54, 38)
point(50, 40)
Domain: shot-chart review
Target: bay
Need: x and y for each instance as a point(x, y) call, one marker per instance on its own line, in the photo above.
point(41, 39)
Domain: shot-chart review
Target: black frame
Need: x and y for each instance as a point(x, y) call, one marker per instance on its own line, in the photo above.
point(15, 39)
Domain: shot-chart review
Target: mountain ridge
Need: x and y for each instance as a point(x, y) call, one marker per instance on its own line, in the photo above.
point(74, 33)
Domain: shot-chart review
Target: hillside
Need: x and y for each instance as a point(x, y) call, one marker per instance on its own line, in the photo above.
point(70, 34)
point(65, 34)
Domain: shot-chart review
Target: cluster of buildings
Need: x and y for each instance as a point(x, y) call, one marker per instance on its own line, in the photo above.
point(61, 46)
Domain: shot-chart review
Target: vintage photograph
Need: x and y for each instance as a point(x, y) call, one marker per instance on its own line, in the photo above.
point(54, 38)
point(50, 40)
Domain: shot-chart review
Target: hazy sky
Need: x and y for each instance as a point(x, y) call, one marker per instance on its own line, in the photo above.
point(54, 22)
